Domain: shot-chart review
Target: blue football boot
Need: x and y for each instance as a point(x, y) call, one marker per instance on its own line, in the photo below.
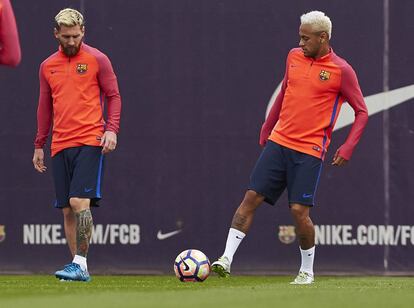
point(73, 272)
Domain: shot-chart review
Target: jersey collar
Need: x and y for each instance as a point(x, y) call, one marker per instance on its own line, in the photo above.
point(326, 57)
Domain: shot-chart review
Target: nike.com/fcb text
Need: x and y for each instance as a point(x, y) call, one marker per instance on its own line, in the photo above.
point(364, 235)
point(53, 234)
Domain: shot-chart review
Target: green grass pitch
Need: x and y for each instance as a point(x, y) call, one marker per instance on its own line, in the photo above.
point(236, 291)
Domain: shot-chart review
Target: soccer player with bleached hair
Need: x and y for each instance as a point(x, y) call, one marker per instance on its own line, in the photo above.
point(74, 82)
point(296, 136)
point(10, 53)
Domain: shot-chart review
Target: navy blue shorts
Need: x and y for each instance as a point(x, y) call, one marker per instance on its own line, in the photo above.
point(279, 167)
point(78, 172)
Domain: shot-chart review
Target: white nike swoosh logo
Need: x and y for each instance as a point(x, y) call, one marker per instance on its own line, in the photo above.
point(375, 104)
point(162, 236)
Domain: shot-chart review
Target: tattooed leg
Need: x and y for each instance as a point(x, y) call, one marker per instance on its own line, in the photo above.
point(239, 221)
point(243, 217)
point(240, 225)
point(84, 223)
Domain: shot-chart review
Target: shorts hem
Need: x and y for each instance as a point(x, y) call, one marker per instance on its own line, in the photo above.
point(94, 199)
point(311, 204)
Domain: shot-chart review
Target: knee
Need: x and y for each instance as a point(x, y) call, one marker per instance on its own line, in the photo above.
point(79, 204)
point(300, 213)
point(253, 197)
point(251, 201)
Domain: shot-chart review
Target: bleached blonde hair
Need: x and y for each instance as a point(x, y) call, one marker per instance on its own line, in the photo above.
point(69, 18)
point(318, 20)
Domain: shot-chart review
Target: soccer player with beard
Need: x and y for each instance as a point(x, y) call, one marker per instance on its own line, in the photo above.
point(10, 53)
point(73, 83)
point(296, 136)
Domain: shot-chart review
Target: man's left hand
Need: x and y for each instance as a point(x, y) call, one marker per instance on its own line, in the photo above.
point(108, 142)
point(338, 160)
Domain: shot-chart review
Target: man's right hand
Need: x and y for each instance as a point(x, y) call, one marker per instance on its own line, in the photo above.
point(38, 160)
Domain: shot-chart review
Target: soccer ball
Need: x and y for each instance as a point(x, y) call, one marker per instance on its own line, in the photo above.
point(192, 265)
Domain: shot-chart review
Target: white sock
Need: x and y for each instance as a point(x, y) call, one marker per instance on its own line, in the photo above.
point(81, 261)
point(307, 260)
point(233, 241)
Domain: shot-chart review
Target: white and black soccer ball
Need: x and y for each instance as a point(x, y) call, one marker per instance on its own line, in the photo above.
point(192, 265)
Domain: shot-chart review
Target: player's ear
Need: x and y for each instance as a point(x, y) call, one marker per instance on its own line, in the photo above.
point(55, 32)
point(323, 37)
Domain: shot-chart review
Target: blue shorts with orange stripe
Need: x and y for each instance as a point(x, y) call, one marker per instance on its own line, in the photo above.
point(78, 172)
point(279, 168)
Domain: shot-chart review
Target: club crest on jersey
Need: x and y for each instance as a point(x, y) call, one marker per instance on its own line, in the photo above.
point(324, 75)
point(287, 234)
point(82, 68)
point(2, 233)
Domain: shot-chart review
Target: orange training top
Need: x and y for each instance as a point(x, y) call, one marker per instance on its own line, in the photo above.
point(309, 102)
point(72, 92)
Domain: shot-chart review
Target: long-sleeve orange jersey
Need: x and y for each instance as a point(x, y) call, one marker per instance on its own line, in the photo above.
point(306, 109)
point(72, 94)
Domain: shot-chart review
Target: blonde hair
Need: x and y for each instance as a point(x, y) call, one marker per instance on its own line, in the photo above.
point(318, 20)
point(69, 18)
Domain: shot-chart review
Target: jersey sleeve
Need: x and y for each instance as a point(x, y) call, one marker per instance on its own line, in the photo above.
point(274, 113)
point(109, 85)
point(352, 93)
point(10, 53)
point(44, 111)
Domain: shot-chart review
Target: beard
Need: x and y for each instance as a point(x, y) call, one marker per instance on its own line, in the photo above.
point(70, 51)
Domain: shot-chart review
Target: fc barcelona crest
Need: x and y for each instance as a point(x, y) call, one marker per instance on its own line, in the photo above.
point(287, 234)
point(82, 68)
point(2, 233)
point(324, 75)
